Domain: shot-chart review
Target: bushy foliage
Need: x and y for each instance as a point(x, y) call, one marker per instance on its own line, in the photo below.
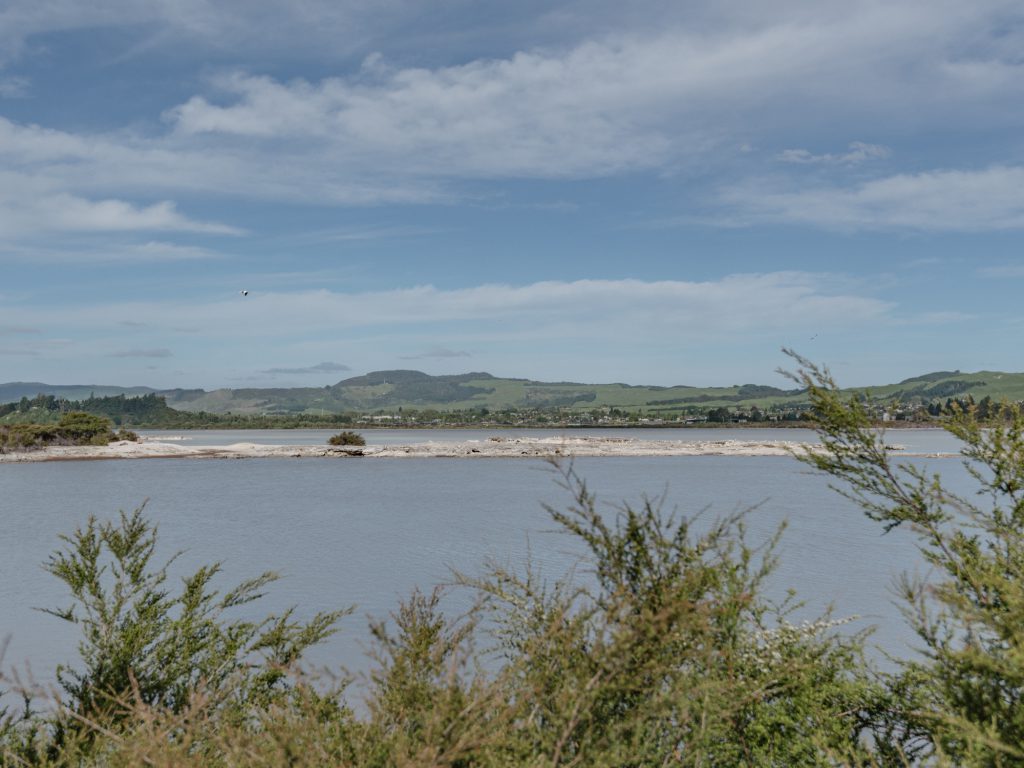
point(346, 437)
point(74, 428)
point(674, 656)
point(964, 703)
point(145, 647)
point(80, 427)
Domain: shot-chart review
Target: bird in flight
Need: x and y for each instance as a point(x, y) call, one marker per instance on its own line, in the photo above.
point(244, 293)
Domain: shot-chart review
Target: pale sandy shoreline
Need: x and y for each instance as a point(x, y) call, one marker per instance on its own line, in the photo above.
point(496, 447)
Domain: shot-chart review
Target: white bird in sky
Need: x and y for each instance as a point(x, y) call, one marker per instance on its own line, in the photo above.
point(244, 293)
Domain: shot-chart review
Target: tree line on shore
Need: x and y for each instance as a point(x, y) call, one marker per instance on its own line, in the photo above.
point(151, 411)
point(670, 654)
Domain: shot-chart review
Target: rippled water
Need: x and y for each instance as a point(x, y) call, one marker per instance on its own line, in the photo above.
point(347, 532)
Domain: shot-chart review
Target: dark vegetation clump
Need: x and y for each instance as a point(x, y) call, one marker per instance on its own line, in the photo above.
point(347, 437)
point(667, 654)
point(75, 428)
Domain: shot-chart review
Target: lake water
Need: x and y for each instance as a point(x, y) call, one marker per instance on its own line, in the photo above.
point(366, 532)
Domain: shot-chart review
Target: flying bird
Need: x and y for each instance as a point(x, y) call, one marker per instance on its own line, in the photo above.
point(244, 293)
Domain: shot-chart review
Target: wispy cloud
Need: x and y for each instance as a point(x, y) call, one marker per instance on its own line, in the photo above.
point(10, 330)
point(97, 248)
point(30, 204)
point(366, 234)
point(37, 347)
point(12, 87)
point(746, 303)
point(157, 352)
point(318, 368)
point(1003, 270)
point(160, 251)
point(268, 28)
point(601, 330)
point(991, 199)
point(857, 153)
point(941, 317)
point(438, 352)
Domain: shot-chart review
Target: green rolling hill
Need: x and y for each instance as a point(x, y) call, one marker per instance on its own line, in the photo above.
point(390, 390)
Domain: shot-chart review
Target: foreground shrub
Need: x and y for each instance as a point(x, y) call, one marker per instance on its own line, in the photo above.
point(144, 648)
point(674, 656)
point(346, 437)
point(964, 702)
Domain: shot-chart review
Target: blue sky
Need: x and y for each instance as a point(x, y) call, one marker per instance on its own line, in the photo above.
point(647, 192)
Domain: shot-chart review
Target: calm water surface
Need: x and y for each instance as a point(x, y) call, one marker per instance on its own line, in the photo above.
point(365, 533)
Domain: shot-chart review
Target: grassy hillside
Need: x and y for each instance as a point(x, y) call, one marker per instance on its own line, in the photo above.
point(389, 391)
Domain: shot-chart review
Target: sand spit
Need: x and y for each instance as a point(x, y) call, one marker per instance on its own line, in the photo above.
point(495, 447)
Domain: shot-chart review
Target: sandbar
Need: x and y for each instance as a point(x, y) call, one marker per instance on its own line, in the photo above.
point(495, 447)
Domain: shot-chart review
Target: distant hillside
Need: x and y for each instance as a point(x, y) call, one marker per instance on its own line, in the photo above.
point(389, 391)
point(15, 390)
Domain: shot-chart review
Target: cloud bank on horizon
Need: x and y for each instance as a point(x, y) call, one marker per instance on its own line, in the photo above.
point(665, 193)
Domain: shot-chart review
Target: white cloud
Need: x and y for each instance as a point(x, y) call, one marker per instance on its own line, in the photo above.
point(13, 87)
point(1003, 271)
point(582, 114)
point(38, 347)
point(6, 330)
point(157, 352)
point(600, 330)
point(155, 250)
point(738, 304)
point(31, 204)
point(438, 352)
point(678, 91)
point(857, 153)
point(318, 368)
point(937, 201)
point(634, 102)
point(332, 27)
point(76, 248)
point(64, 212)
point(942, 317)
point(584, 109)
point(663, 332)
point(44, 160)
